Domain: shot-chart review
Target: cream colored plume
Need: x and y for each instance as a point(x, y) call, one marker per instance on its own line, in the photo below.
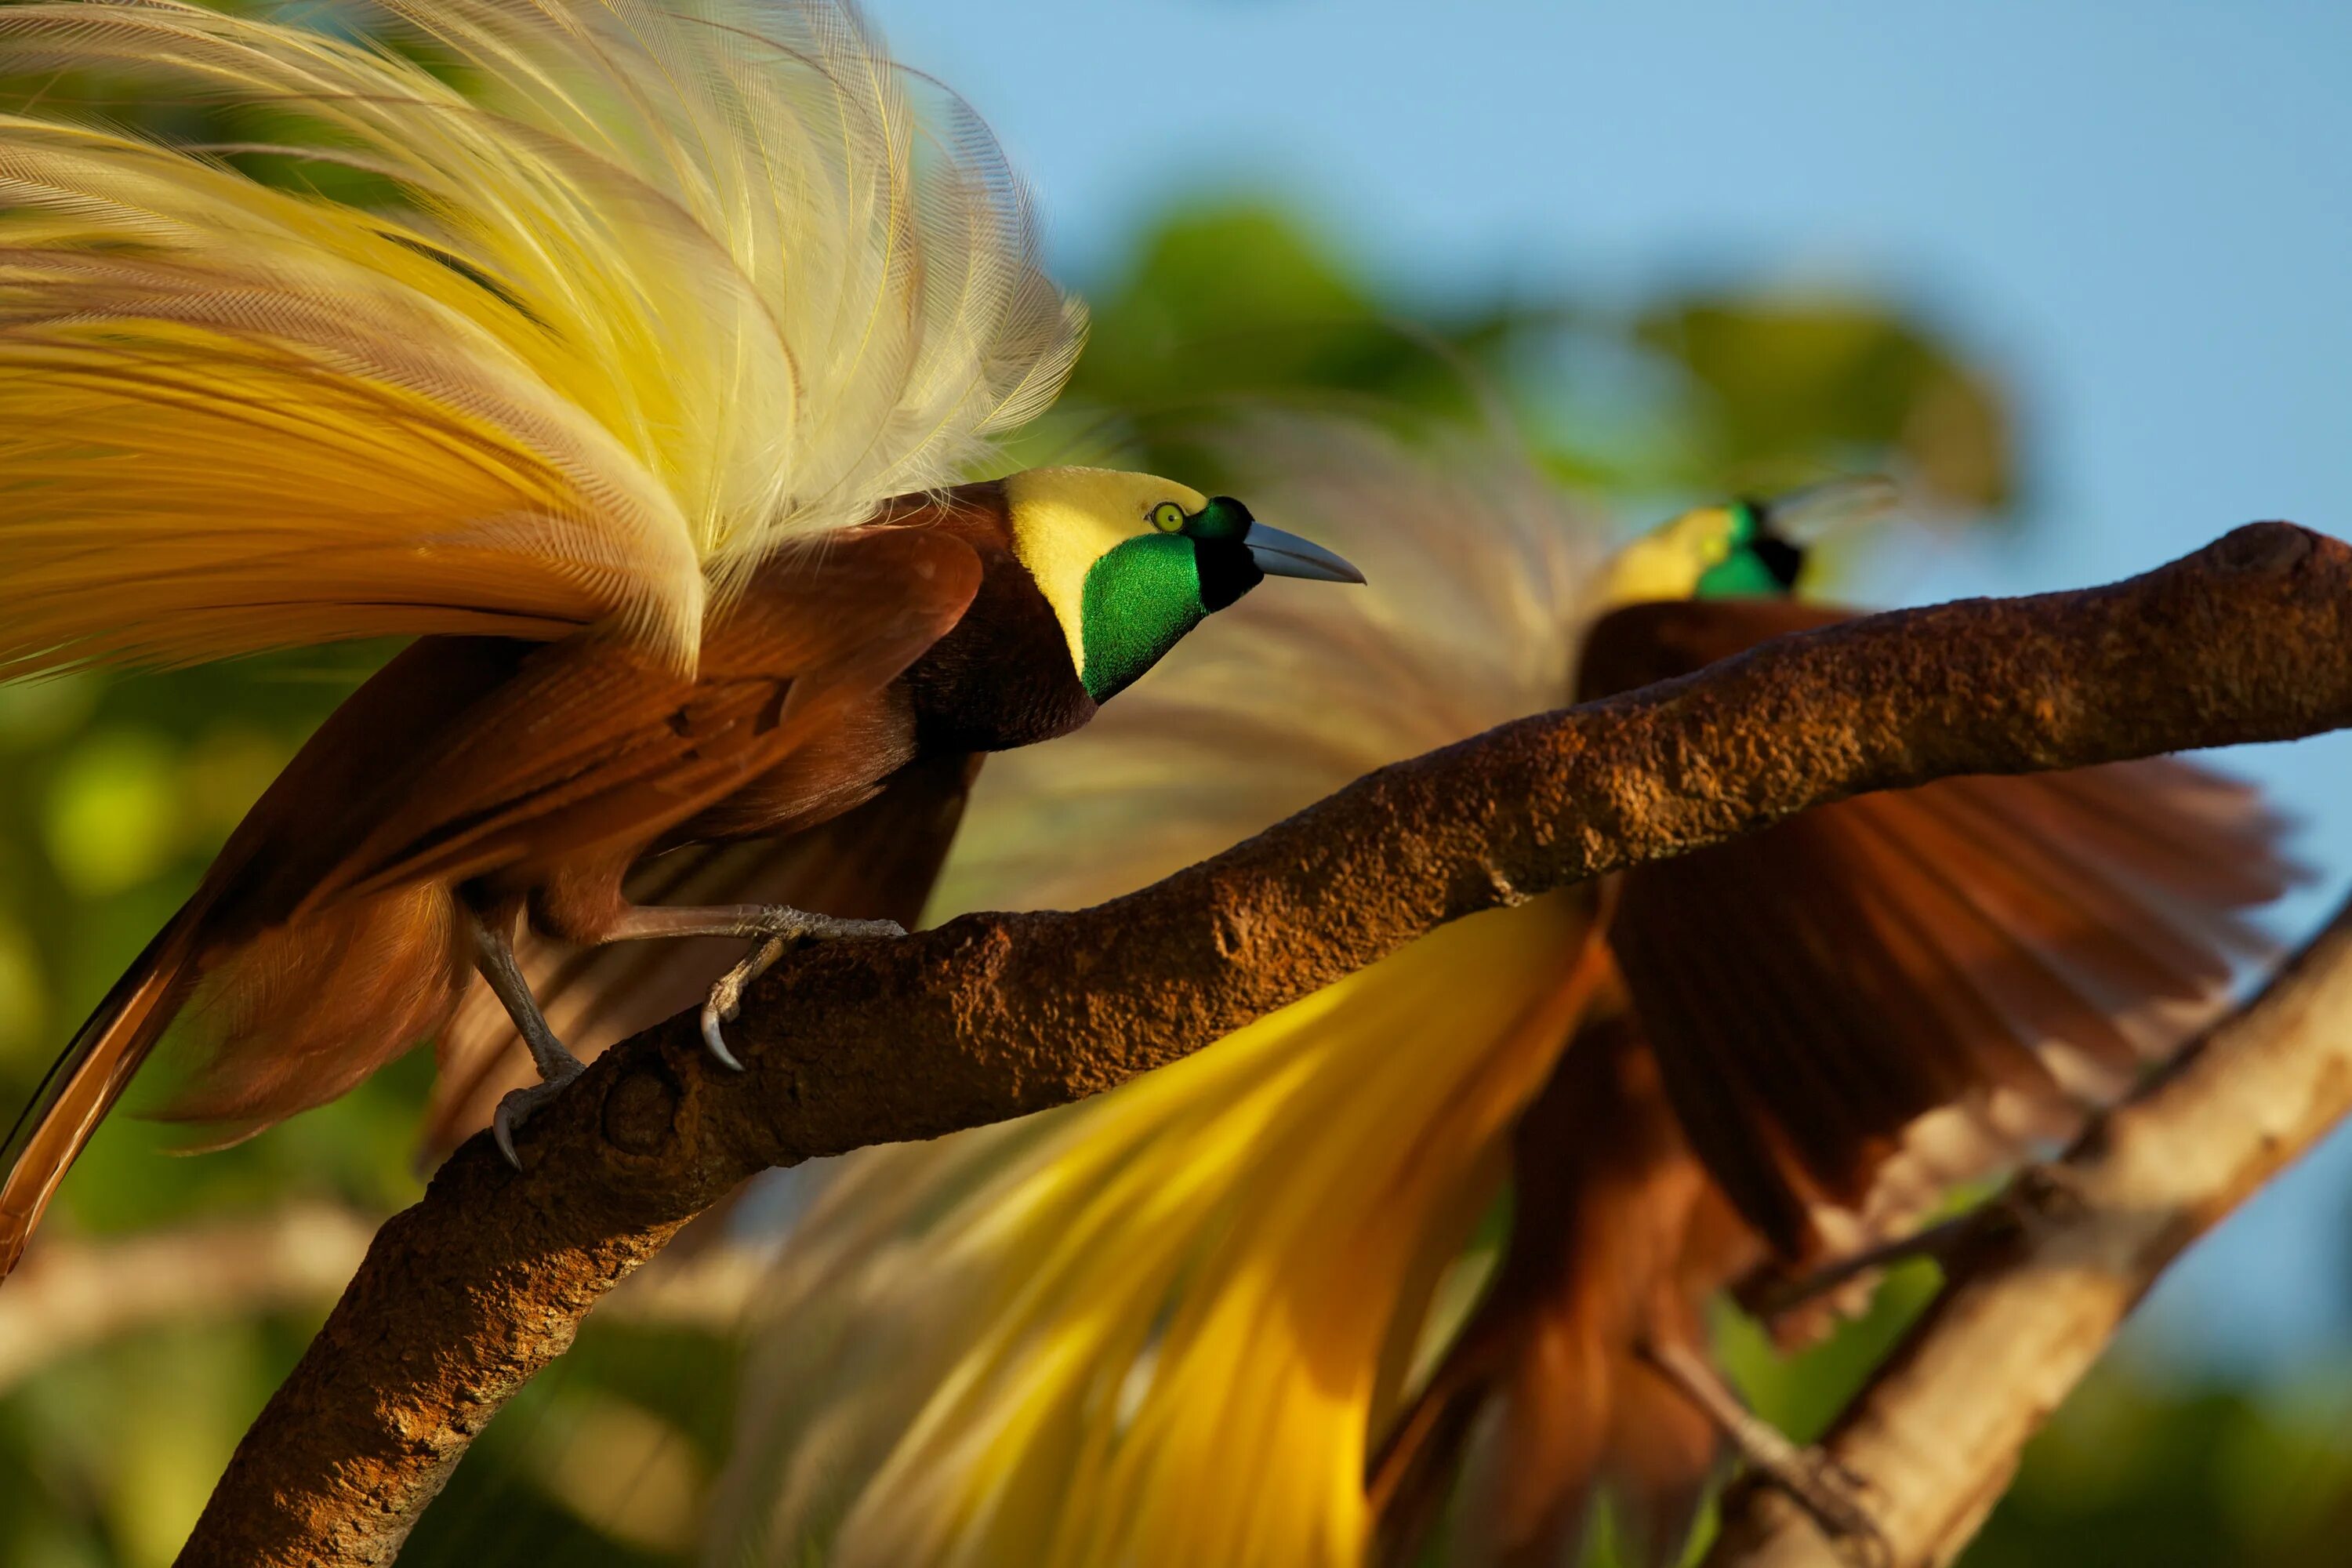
point(636, 293)
point(1154, 1327)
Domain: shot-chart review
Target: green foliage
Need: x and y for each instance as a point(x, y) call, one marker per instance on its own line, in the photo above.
point(1703, 394)
point(1235, 298)
point(2140, 1469)
point(1770, 381)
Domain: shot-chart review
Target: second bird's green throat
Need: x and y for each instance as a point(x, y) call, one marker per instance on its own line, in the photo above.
point(1760, 565)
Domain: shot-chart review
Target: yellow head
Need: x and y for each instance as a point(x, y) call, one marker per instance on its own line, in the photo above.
point(1672, 559)
point(1130, 562)
point(1751, 547)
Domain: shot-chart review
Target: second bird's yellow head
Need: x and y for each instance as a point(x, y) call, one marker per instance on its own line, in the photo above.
point(1746, 549)
point(1715, 552)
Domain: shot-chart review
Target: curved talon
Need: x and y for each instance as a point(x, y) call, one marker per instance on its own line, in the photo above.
point(714, 1042)
point(784, 929)
point(519, 1106)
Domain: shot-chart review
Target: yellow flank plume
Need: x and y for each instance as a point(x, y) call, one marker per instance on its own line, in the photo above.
point(1164, 1325)
point(643, 291)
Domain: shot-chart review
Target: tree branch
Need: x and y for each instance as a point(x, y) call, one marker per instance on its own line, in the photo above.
point(466, 1296)
point(2059, 1261)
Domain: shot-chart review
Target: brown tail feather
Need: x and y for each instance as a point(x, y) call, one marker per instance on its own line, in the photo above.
point(293, 1017)
point(89, 1076)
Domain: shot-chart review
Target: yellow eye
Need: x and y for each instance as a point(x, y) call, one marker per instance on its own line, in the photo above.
point(1168, 517)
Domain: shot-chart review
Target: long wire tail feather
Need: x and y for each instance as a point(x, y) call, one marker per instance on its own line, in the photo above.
point(87, 1077)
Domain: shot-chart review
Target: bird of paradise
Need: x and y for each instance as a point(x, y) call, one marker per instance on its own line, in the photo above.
point(626, 357)
point(1236, 1312)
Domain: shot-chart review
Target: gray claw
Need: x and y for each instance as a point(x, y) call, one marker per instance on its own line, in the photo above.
point(787, 927)
point(517, 1107)
point(715, 1042)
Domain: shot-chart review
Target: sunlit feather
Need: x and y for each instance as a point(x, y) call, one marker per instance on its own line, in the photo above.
point(649, 290)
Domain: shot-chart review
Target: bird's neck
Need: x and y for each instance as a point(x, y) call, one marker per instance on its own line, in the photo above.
point(1003, 677)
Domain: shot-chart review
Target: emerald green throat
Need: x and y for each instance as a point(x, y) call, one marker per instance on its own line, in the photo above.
point(1139, 600)
point(1760, 564)
point(1144, 595)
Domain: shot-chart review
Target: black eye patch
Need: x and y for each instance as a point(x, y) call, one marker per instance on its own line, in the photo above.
point(1227, 571)
point(1783, 560)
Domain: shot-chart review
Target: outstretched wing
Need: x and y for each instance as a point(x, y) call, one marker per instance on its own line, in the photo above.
point(1834, 1021)
point(2003, 951)
point(624, 295)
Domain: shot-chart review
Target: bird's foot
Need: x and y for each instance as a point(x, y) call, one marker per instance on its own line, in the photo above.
point(1826, 1490)
point(1831, 1495)
point(782, 929)
point(520, 1104)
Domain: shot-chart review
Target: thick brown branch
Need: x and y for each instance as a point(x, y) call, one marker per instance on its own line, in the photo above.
point(1935, 1438)
point(468, 1294)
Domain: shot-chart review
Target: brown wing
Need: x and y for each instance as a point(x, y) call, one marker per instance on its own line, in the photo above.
point(1834, 1020)
point(2011, 946)
point(592, 742)
point(877, 862)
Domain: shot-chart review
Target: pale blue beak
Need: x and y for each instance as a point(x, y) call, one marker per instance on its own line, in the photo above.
point(1280, 554)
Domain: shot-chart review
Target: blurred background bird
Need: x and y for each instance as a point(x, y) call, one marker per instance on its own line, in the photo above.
point(629, 375)
point(1428, 1256)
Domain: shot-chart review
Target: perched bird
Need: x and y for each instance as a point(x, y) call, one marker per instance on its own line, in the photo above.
point(1429, 1250)
point(627, 371)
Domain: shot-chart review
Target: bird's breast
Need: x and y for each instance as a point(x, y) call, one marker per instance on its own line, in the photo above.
point(1003, 677)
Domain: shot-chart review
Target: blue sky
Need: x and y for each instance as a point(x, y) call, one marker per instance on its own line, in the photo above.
point(2142, 212)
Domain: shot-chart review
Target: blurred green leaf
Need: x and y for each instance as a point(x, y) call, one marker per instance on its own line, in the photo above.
point(1777, 384)
point(112, 816)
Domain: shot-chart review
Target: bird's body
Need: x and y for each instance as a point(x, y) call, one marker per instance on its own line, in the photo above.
point(475, 781)
point(634, 393)
point(507, 777)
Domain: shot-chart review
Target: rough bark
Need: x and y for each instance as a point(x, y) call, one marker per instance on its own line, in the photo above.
point(466, 1296)
point(2036, 1293)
